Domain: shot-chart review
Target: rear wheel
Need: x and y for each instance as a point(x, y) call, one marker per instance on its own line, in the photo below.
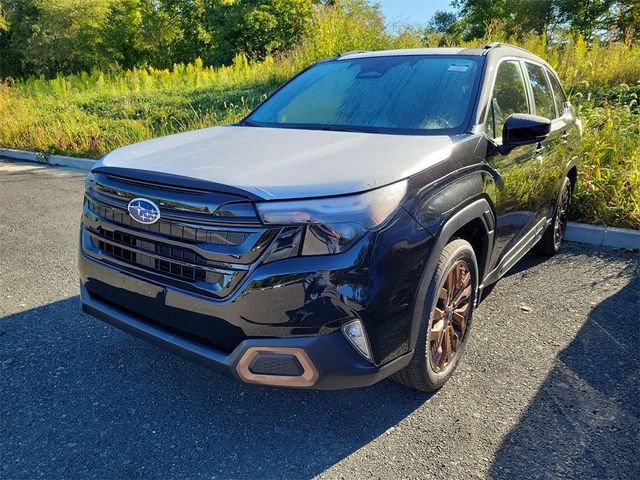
point(446, 319)
point(551, 240)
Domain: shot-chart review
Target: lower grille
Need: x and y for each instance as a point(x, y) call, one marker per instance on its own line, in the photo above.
point(227, 337)
point(177, 253)
point(190, 274)
point(115, 244)
point(116, 251)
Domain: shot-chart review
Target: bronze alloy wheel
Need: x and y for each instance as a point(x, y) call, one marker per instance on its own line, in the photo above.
point(450, 317)
point(445, 318)
point(560, 224)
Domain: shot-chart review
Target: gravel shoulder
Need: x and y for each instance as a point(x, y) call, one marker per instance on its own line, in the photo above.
point(549, 386)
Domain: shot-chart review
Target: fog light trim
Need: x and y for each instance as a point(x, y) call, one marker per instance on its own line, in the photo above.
point(356, 335)
point(307, 379)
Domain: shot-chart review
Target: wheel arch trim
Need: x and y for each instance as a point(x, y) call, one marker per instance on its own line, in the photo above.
point(478, 210)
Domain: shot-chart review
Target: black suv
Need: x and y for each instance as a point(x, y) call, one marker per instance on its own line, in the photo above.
point(343, 231)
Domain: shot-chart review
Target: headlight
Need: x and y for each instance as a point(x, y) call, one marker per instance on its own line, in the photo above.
point(88, 182)
point(333, 224)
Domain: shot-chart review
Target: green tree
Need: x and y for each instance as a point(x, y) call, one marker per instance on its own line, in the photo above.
point(18, 16)
point(194, 38)
point(442, 22)
point(255, 27)
point(65, 37)
point(4, 24)
point(122, 34)
point(155, 32)
point(445, 28)
point(517, 16)
point(161, 33)
point(616, 18)
point(584, 16)
point(627, 19)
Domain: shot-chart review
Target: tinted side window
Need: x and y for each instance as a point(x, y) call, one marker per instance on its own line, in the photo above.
point(558, 94)
point(542, 95)
point(509, 95)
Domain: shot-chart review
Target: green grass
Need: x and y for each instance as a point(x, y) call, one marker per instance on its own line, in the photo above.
point(92, 113)
point(608, 189)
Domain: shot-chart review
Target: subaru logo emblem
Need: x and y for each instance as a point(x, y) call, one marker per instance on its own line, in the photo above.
point(143, 211)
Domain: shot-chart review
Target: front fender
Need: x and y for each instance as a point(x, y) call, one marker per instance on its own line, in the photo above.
point(479, 210)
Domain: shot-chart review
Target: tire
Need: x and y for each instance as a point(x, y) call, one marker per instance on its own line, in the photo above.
point(429, 368)
point(551, 240)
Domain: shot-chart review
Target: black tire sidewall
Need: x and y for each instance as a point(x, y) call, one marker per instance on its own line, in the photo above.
point(565, 184)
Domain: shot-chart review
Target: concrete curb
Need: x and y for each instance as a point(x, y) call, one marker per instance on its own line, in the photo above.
point(59, 160)
point(605, 236)
point(576, 232)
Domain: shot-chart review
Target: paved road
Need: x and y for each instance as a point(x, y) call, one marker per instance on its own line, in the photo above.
point(547, 393)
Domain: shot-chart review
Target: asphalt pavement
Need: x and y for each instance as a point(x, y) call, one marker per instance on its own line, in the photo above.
point(549, 386)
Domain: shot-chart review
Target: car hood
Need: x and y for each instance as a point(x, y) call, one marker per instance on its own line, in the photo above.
point(284, 163)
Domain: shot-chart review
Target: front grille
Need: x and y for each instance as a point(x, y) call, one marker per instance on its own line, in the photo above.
point(209, 258)
point(169, 229)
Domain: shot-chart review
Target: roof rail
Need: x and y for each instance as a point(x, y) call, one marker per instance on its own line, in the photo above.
point(340, 55)
point(352, 52)
point(492, 45)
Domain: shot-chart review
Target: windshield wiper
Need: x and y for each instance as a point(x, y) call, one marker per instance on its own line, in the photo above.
point(249, 123)
point(344, 128)
point(311, 126)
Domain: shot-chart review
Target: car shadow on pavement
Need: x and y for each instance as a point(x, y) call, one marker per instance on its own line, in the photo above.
point(584, 421)
point(82, 399)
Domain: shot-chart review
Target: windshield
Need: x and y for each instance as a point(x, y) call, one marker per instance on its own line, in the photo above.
point(412, 94)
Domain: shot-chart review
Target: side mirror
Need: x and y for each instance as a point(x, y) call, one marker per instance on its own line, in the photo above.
point(524, 129)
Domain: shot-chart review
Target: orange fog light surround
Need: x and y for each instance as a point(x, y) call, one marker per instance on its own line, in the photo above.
point(307, 379)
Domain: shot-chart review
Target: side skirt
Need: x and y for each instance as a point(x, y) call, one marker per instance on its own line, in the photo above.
point(517, 252)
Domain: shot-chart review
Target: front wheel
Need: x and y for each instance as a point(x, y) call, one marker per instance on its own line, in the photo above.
point(552, 238)
point(446, 319)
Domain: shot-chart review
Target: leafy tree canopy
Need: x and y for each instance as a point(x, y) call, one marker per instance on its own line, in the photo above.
point(255, 27)
point(586, 17)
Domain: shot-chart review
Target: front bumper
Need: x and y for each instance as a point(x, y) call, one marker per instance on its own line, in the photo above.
point(240, 297)
point(334, 363)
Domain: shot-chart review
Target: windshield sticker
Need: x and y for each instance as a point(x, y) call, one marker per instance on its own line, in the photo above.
point(458, 68)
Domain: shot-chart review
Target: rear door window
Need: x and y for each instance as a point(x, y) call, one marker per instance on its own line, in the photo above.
point(558, 93)
point(542, 93)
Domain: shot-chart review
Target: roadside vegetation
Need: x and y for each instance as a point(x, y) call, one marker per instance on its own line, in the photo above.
point(92, 112)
